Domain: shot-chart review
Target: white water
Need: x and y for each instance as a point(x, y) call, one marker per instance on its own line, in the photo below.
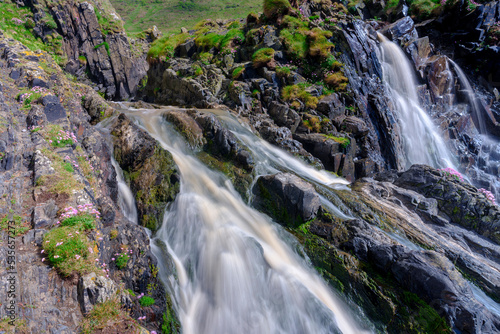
point(422, 142)
point(234, 274)
point(126, 199)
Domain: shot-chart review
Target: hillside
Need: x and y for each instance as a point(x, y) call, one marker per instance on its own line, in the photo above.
point(170, 15)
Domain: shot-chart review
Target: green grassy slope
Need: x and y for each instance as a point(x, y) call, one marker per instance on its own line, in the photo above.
point(170, 15)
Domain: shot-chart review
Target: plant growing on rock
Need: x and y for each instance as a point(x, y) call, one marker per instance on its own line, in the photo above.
point(336, 81)
point(238, 71)
point(146, 301)
point(122, 258)
point(489, 195)
point(451, 172)
point(298, 92)
point(262, 57)
point(276, 8)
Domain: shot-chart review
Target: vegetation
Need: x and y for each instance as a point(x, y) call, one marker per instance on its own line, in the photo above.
point(262, 57)
point(62, 181)
point(165, 46)
point(237, 72)
point(274, 8)
point(146, 301)
point(108, 317)
point(295, 93)
point(344, 142)
point(15, 224)
point(122, 260)
point(170, 15)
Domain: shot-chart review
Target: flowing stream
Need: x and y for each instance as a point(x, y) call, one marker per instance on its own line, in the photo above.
point(234, 275)
point(422, 143)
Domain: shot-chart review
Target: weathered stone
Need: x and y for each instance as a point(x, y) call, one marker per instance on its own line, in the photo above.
point(187, 126)
point(287, 198)
point(93, 289)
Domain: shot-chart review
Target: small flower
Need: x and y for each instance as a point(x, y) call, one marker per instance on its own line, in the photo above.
point(43, 250)
point(112, 259)
point(43, 259)
point(56, 256)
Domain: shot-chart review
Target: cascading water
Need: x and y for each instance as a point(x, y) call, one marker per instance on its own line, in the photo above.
point(126, 199)
point(234, 274)
point(422, 142)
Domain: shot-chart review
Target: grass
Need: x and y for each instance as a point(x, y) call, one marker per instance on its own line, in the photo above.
point(63, 181)
point(122, 260)
point(23, 33)
point(106, 317)
point(69, 250)
point(238, 71)
point(146, 301)
point(165, 46)
point(170, 15)
point(19, 227)
point(298, 92)
point(336, 81)
point(274, 8)
point(262, 56)
point(344, 142)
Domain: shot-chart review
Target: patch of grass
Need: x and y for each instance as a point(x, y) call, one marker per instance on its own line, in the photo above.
point(208, 41)
point(313, 123)
point(262, 57)
point(62, 181)
point(69, 250)
point(283, 71)
point(83, 222)
point(18, 227)
point(197, 70)
point(165, 46)
point(274, 8)
point(336, 81)
point(106, 46)
point(238, 71)
point(319, 46)
point(344, 142)
point(295, 43)
point(170, 15)
point(298, 92)
point(146, 301)
point(107, 317)
point(113, 233)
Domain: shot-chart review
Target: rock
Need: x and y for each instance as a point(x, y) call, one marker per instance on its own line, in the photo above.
point(94, 290)
point(149, 166)
point(354, 125)
point(187, 126)
point(96, 107)
point(459, 201)
point(36, 117)
point(331, 106)
point(187, 49)
point(287, 198)
point(284, 116)
point(402, 30)
point(222, 142)
point(54, 112)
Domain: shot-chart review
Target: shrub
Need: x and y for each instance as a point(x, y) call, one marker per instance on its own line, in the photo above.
point(146, 301)
point(274, 8)
point(122, 260)
point(489, 195)
point(262, 56)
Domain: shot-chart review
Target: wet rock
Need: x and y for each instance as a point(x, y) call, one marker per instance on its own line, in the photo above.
point(148, 166)
point(284, 116)
point(331, 106)
point(222, 142)
point(93, 289)
point(459, 201)
point(402, 30)
point(287, 198)
point(187, 126)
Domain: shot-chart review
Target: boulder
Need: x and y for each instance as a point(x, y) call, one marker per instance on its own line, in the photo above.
point(287, 198)
point(93, 289)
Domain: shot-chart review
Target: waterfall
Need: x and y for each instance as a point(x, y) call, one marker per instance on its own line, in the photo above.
point(422, 142)
point(126, 199)
point(234, 275)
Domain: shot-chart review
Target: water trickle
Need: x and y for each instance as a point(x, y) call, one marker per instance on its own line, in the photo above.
point(422, 142)
point(234, 274)
point(126, 199)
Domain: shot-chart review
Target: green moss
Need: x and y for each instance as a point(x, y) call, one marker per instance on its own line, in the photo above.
point(106, 46)
point(344, 142)
point(319, 45)
point(336, 81)
point(164, 47)
point(238, 71)
point(234, 35)
point(146, 301)
point(262, 56)
point(295, 43)
point(298, 92)
point(283, 71)
point(208, 41)
point(274, 8)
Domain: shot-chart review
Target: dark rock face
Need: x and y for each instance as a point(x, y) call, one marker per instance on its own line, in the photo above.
point(287, 198)
point(462, 203)
point(220, 141)
point(148, 166)
point(107, 53)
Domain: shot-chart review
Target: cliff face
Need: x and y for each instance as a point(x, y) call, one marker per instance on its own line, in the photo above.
point(93, 41)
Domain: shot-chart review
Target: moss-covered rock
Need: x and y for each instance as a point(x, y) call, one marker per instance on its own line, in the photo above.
point(149, 169)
